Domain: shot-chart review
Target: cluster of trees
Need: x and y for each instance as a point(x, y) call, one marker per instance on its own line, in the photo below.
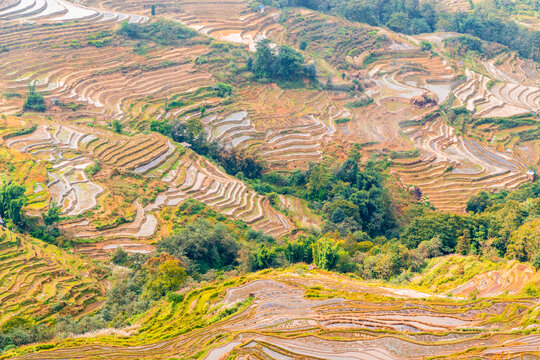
point(459, 47)
point(504, 225)
point(403, 16)
point(20, 330)
point(117, 126)
point(486, 26)
point(350, 198)
point(280, 64)
point(12, 201)
point(203, 246)
point(360, 233)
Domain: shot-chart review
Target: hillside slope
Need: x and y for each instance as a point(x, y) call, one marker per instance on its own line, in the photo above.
point(298, 313)
point(38, 279)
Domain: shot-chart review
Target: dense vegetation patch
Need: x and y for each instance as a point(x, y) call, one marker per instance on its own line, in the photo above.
point(482, 24)
point(12, 202)
point(284, 64)
point(413, 17)
point(34, 100)
point(163, 32)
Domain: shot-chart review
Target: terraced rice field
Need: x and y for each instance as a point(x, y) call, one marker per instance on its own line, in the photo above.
point(299, 208)
point(35, 276)
point(296, 313)
point(68, 183)
point(199, 179)
point(59, 11)
point(509, 96)
point(283, 133)
point(104, 79)
point(462, 276)
point(287, 315)
point(339, 44)
point(453, 167)
point(399, 76)
point(72, 149)
point(229, 20)
point(287, 128)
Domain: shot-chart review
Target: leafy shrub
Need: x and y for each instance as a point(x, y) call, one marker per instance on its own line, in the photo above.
point(223, 90)
point(175, 104)
point(34, 100)
point(93, 169)
point(342, 120)
point(204, 246)
point(365, 101)
point(117, 126)
point(425, 45)
point(21, 132)
point(536, 261)
point(175, 298)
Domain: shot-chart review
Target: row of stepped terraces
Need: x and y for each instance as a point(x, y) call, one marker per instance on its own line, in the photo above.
point(105, 79)
point(60, 11)
point(452, 167)
point(409, 74)
point(35, 276)
point(186, 175)
point(284, 315)
point(507, 97)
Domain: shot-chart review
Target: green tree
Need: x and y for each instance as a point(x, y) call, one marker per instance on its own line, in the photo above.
point(536, 261)
point(325, 253)
point(34, 100)
point(425, 45)
point(165, 274)
point(120, 256)
point(12, 201)
point(300, 250)
point(479, 203)
point(418, 26)
point(264, 58)
point(52, 215)
point(204, 246)
point(525, 241)
point(318, 181)
point(448, 227)
point(288, 63)
point(338, 215)
point(362, 11)
point(223, 90)
point(398, 21)
point(117, 126)
point(263, 258)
